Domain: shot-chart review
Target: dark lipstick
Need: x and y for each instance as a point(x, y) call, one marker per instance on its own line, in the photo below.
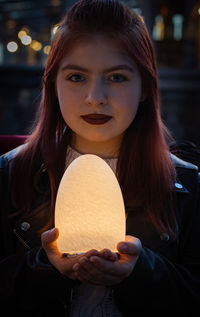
point(96, 118)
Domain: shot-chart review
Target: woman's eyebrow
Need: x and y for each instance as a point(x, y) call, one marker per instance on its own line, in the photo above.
point(120, 67)
point(74, 67)
point(111, 69)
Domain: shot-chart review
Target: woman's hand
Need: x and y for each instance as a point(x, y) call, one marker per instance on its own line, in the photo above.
point(59, 260)
point(106, 268)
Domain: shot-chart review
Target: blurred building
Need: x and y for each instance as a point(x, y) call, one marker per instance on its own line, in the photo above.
point(27, 28)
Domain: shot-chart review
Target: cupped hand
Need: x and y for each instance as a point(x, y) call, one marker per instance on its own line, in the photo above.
point(108, 268)
point(60, 261)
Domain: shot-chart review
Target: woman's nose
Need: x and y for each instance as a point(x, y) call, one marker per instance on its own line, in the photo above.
point(96, 94)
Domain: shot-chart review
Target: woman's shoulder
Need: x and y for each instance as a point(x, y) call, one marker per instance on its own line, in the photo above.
point(187, 176)
point(180, 163)
point(185, 152)
point(8, 157)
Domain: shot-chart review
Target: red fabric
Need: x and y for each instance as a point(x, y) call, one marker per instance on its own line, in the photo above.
point(9, 142)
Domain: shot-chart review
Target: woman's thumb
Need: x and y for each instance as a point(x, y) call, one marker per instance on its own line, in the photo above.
point(48, 239)
point(131, 246)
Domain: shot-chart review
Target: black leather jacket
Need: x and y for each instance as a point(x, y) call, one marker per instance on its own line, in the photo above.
point(165, 280)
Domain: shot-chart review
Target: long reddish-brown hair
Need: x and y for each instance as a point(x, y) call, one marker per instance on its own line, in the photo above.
point(144, 170)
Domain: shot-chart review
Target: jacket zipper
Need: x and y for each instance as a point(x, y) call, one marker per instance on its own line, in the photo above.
point(21, 239)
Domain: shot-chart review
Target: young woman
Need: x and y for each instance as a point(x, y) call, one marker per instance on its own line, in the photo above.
point(100, 96)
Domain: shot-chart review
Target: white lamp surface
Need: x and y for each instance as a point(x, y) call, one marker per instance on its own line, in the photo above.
point(89, 210)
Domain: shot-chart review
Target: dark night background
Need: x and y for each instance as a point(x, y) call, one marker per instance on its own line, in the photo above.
point(175, 30)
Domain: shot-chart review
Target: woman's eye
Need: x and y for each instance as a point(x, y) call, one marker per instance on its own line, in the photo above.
point(76, 78)
point(117, 78)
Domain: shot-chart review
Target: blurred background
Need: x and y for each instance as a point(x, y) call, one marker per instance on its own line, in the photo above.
point(26, 31)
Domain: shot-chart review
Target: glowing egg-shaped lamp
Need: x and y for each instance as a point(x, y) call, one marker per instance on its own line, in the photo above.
point(89, 210)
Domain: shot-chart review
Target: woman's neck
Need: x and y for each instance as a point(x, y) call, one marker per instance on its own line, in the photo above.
point(109, 149)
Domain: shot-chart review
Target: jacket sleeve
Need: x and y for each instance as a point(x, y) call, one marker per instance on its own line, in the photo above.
point(28, 278)
point(158, 283)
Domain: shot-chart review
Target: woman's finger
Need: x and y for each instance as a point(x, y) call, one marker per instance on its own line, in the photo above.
point(108, 255)
point(116, 268)
point(85, 271)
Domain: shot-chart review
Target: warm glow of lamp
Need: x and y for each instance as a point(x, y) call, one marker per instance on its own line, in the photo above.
point(89, 211)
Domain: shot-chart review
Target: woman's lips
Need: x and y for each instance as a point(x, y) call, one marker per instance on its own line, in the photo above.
point(96, 118)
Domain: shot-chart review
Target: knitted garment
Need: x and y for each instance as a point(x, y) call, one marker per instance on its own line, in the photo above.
point(73, 154)
point(91, 300)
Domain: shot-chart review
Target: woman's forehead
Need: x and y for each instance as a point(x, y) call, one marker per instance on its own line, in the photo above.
point(97, 49)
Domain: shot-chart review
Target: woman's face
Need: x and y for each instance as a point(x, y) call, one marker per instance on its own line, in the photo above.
point(99, 88)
